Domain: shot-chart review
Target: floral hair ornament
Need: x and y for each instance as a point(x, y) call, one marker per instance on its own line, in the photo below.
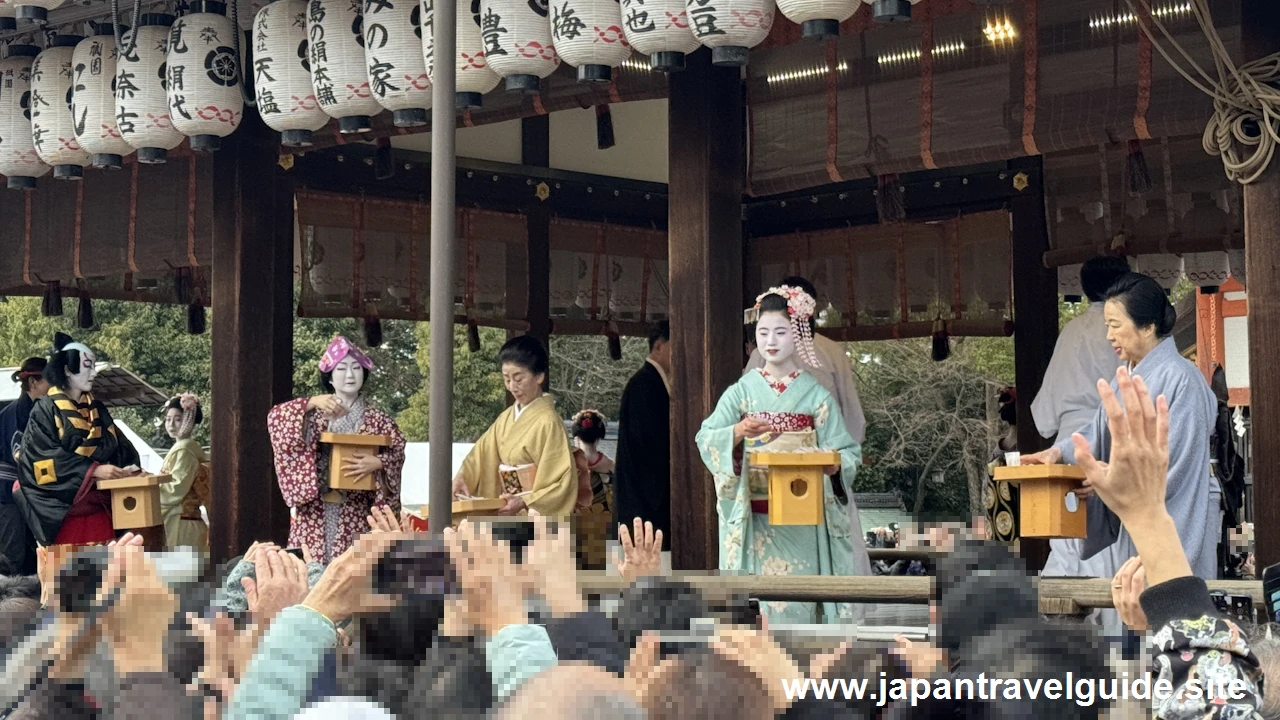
point(338, 349)
point(587, 418)
point(800, 307)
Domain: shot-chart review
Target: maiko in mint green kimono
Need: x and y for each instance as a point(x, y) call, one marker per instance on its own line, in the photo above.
point(748, 543)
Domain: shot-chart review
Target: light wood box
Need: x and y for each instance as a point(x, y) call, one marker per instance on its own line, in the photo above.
point(1043, 491)
point(135, 501)
point(346, 446)
point(795, 485)
point(462, 509)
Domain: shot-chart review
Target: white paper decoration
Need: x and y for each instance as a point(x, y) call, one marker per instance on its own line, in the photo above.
point(474, 76)
point(338, 71)
point(818, 19)
point(18, 159)
point(205, 101)
point(52, 128)
point(142, 104)
point(659, 29)
point(7, 21)
point(588, 35)
point(1069, 285)
point(282, 73)
point(393, 54)
point(1236, 259)
point(93, 100)
point(517, 42)
point(730, 27)
point(36, 11)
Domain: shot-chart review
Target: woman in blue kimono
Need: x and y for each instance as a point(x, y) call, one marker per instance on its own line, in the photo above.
point(1139, 320)
point(781, 397)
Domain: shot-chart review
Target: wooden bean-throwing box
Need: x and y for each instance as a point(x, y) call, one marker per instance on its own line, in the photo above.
point(462, 509)
point(135, 501)
point(1047, 509)
point(346, 447)
point(795, 484)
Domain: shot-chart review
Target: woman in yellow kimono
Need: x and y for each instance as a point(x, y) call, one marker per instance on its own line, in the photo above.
point(530, 432)
point(188, 485)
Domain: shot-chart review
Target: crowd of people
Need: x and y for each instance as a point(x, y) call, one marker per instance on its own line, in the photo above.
point(360, 616)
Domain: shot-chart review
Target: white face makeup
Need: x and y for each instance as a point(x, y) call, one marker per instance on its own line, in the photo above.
point(80, 379)
point(173, 422)
point(348, 378)
point(775, 339)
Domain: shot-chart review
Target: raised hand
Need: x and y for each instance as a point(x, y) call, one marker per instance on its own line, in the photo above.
point(641, 554)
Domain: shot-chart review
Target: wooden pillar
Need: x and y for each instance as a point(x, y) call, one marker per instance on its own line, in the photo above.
point(1261, 28)
point(1035, 303)
point(705, 119)
point(252, 363)
point(535, 151)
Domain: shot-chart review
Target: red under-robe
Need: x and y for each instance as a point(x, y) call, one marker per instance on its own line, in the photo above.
point(295, 440)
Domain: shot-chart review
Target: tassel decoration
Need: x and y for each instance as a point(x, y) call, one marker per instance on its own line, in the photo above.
point(384, 163)
point(1139, 171)
point(941, 341)
point(473, 337)
point(372, 332)
point(604, 127)
point(51, 302)
point(889, 203)
point(84, 312)
point(183, 288)
point(195, 319)
point(615, 346)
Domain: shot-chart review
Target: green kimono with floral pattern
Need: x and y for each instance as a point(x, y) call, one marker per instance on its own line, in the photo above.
point(748, 543)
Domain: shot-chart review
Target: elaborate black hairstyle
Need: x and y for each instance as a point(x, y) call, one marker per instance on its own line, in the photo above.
point(796, 281)
point(31, 367)
point(525, 351)
point(660, 330)
point(778, 304)
point(589, 426)
point(1100, 273)
point(176, 404)
point(55, 371)
point(1145, 302)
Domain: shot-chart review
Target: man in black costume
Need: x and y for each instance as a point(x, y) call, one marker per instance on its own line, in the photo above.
point(642, 472)
point(17, 546)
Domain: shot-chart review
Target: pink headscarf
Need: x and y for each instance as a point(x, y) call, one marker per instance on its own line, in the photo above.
point(338, 349)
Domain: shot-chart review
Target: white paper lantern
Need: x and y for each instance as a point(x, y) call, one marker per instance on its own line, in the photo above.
point(393, 54)
point(730, 27)
point(7, 21)
point(93, 99)
point(142, 104)
point(18, 159)
point(891, 11)
point(517, 42)
point(659, 29)
point(818, 19)
point(36, 11)
point(588, 35)
point(52, 128)
point(205, 101)
point(282, 73)
point(338, 71)
point(474, 76)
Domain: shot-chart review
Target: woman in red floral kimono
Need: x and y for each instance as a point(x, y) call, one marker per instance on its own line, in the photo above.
point(327, 521)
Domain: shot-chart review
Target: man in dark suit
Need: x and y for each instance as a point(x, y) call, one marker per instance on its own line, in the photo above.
point(642, 472)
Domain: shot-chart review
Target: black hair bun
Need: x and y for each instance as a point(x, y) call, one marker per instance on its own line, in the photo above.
point(1170, 319)
point(61, 340)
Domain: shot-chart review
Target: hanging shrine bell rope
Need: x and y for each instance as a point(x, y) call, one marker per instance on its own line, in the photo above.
point(1245, 128)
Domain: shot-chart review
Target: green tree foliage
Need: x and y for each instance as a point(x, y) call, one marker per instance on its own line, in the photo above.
point(478, 395)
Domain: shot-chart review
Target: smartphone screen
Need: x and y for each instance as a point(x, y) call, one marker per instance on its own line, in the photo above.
point(296, 552)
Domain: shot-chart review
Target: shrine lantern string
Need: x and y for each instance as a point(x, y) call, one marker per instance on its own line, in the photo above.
point(730, 27)
point(393, 55)
point(659, 29)
point(142, 103)
point(93, 99)
point(889, 11)
point(517, 42)
point(588, 35)
point(205, 100)
point(52, 128)
point(18, 158)
point(282, 73)
point(338, 71)
point(36, 11)
point(7, 21)
point(474, 76)
point(818, 19)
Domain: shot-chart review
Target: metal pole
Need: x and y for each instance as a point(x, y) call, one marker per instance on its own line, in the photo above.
point(443, 240)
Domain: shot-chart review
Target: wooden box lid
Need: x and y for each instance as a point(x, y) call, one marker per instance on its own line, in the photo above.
point(353, 439)
point(1038, 472)
point(796, 459)
point(130, 483)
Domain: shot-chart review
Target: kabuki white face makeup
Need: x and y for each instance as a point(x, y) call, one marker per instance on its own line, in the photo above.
point(348, 378)
point(776, 341)
point(80, 379)
point(173, 422)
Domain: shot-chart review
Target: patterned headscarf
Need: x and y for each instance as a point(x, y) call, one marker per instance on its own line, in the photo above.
point(338, 349)
point(800, 307)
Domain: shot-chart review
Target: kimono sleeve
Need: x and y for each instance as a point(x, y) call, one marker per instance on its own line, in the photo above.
point(49, 476)
point(555, 486)
point(481, 462)
point(715, 442)
point(295, 451)
point(832, 434)
point(126, 454)
point(184, 466)
point(388, 492)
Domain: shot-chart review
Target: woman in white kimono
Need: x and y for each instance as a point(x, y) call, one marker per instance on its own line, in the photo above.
point(781, 397)
point(1139, 319)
